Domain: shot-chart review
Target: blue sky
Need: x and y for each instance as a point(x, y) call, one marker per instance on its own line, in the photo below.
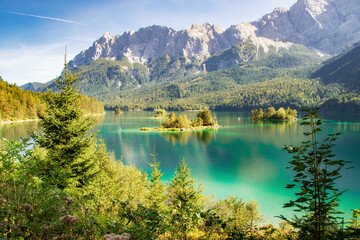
point(34, 32)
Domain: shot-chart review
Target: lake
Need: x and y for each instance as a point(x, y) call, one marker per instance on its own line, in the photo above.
point(243, 158)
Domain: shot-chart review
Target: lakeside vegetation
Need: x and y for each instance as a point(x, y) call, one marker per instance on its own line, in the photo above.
point(118, 111)
point(18, 104)
point(159, 113)
point(69, 187)
point(203, 120)
point(271, 114)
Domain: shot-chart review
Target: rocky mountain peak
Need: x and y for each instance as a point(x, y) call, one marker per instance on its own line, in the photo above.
point(325, 25)
point(314, 7)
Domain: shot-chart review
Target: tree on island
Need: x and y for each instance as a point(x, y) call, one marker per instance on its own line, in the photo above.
point(174, 121)
point(204, 118)
point(118, 110)
point(159, 113)
point(272, 114)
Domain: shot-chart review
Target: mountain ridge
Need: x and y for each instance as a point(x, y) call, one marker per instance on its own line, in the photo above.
point(324, 25)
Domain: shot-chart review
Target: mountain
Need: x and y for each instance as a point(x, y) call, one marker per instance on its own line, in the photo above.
point(247, 65)
point(104, 77)
point(34, 86)
point(326, 25)
point(343, 69)
point(20, 104)
point(151, 43)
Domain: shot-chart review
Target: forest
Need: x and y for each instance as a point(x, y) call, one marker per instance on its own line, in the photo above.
point(67, 186)
point(19, 104)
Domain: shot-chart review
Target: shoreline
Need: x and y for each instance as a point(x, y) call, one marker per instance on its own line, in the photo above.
point(38, 119)
point(162, 129)
point(19, 121)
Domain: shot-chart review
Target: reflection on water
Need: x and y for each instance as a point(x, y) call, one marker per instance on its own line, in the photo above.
point(182, 138)
point(98, 118)
point(15, 131)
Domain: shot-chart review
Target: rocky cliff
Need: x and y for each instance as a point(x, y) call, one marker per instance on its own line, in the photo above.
point(197, 42)
point(326, 25)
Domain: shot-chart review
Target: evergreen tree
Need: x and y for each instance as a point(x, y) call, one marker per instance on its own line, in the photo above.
point(354, 221)
point(64, 136)
point(353, 228)
point(185, 202)
point(156, 187)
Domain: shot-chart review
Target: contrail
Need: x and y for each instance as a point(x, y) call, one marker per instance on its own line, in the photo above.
point(44, 17)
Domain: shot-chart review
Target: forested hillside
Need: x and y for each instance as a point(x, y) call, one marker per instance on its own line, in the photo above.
point(343, 69)
point(20, 104)
point(17, 104)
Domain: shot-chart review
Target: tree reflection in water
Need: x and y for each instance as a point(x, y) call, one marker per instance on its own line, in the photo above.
point(182, 138)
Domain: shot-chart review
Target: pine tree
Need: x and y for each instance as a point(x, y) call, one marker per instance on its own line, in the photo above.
point(185, 201)
point(156, 187)
point(354, 221)
point(64, 136)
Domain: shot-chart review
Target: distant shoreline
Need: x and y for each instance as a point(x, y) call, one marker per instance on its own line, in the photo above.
point(38, 119)
point(162, 129)
point(19, 121)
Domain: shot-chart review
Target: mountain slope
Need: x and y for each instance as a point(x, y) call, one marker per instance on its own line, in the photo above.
point(270, 81)
point(327, 25)
point(19, 104)
point(343, 69)
point(35, 87)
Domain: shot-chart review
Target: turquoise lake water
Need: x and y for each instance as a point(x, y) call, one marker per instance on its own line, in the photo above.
point(243, 158)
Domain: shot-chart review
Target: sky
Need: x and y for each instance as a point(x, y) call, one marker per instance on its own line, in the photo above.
point(34, 33)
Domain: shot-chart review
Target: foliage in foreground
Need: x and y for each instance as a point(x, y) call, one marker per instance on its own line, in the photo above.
point(119, 199)
point(316, 172)
point(122, 200)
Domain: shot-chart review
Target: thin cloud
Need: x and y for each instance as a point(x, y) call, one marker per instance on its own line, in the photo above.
point(44, 17)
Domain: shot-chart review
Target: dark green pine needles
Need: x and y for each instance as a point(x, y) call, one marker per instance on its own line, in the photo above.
point(64, 136)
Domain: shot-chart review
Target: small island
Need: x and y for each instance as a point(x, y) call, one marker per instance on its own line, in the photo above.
point(118, 111)
point(271, 114)
point(159, 113)
point(203, 120)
